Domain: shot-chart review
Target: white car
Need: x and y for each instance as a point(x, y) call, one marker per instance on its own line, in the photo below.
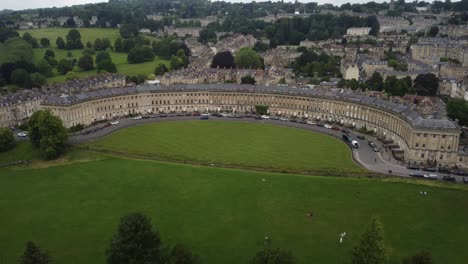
point(284, 119)
point(265, 117)
point(22, 134)
point(224, 114)
point(327, 126)
point(137, 118)
point(115, 122)
point(430, 176)
point(310, 122)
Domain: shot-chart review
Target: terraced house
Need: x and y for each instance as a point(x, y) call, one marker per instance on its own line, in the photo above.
point(412, 137)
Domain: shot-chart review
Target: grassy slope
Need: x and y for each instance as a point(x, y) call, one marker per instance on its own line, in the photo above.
point(221, 214)
point(90, 34)
point(22, 151)
point(246, 144)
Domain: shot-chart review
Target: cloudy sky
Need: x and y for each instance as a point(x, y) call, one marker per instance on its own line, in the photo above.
point(28, 4)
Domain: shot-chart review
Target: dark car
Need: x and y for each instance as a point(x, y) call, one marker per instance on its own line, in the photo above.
point(145, 117)
point(346, 131)
point(274, 118)
point(449, 178)
point(319, 124)
point(372, 144)
point(416, 174)
point(431, 169)
point(347, 138)
point(107, 124)
point(302, 122)
point(460, 173)
point(196, 114)
point(376, 149)
point(163, 115)
point(413, 167)
point(86, 132)
point(336, 128)
point(204, 117)
point(293, 120)
point(444, 170)
point(361, 137)
point(257, 117)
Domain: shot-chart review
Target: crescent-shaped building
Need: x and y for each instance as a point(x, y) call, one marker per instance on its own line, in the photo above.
point(413, 138)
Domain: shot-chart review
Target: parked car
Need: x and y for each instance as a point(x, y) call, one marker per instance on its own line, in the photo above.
point(372, 144)
point(293, 120)
point(165, 115)
point(416, 174)
point(264, 117)
point(460, 173)
point(204, 117)
point(302, 122)
point(375, 149)
point(115, 122)
point(196, 114)
point(444, 170)
point(257, 117)
point(22, 134)
point(431, 176)
point(84, 133)
point(355, 144)
point(346, 131)
point(413, 167)
point(283, 119)
point(310, 123)
point(361, 137)
point(137, 118)
point(347, 138)
point(449, 178)
point(108, 124)
point(431, 169)
point(327, 126)
point(147, 116)
point(274, 118)
point(336, 128)
point(320, 125)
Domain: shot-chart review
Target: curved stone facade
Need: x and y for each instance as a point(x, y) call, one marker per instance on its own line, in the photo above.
point(418, 140)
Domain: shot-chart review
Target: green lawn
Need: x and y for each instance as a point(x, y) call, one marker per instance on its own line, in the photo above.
point(223, 214)
point(233, 143)
point(22, 151)
point(90, 34)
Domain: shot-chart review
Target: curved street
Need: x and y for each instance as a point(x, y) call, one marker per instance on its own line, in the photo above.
point(380, 162)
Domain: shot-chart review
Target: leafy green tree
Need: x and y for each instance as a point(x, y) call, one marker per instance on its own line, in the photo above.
point(60, 43)
point(371, 249)
point(47, 133)
point(30, 39)
point(45, 42)
point(71, 75)
point(176, 63)
point(37, 80)
point(44, 68)
point(118, 45)
point(423, 257)
point(86, 62)
point(33, 254)
point(102, 55)
point(128, 31)
point(223, 59)
point(181, 255)
point(261, 109)
point(134, 242)
point(426, 84)
point(74, 40)
point(376, 82)
point(248, 80)
point(98, 45)
point(160, 69)
point(49, 54)
point(458, 109)
point(260, 46)
point(21, 78)
point(7, 140)
point(106, 65)
point(140, 54)
point(273, 256)
point(207, 35)
point(433, 31)
point(247, 58)
point(7, 33)
point(64, 66)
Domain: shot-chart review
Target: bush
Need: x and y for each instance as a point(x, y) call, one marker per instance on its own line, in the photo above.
point(7, 140)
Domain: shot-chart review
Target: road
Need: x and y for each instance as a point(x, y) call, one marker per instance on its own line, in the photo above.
point(380, 162)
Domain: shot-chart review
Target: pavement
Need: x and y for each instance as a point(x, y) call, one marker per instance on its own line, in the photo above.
point(380, 162)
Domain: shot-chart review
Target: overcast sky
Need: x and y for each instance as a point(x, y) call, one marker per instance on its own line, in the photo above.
point(29, 4)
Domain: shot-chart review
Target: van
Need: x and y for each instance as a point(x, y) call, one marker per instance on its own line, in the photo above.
point(355, 144)
point(347, 138)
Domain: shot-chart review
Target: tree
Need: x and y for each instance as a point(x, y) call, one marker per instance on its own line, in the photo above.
point(64, 66)
point(30, 39)
point(47, 133)
point(426, 84)
point(176, 63)
point(273, 256)
point(207, 35)
point(118, 45)
point(49, 53)
point(45, 42)
point(458, 109)
point(21, 78)
point(180, 255)
point(376, 82)
point(106, 66)
point(160, 69)
point(44, 68)
point(134, 242)
point(37, 80)
point(223, 59)
point(261, 46)
point(60, 43)
point(33, 254)
point(71, 75)
point(7, 140)
point(261, 109)
point(247, 58)
point(248, 80)
point(448, 5)
point(423, 257)
point(371, 249)
point(74, 40)
point(102, 56)
point(86, 62)
point(98, 45)
point(140, 54)
point(128, 31)
point(7, 33)
point(433, 31)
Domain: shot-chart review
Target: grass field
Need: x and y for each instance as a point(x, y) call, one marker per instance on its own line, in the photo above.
point(233, 143)
point(222, 214)
point(90, 34)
